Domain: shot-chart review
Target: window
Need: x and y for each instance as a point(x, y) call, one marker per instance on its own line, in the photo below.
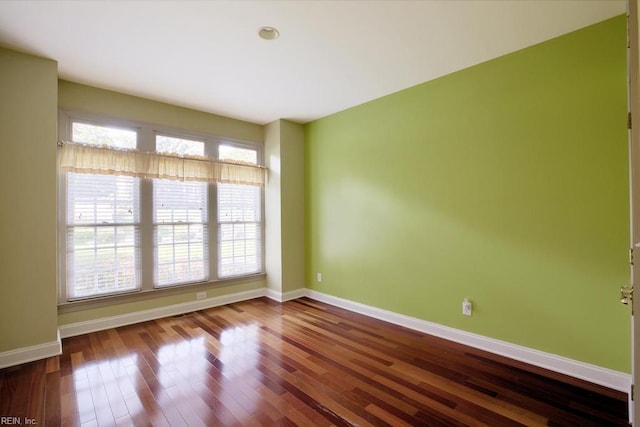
point(171, 145)
point(101, 135)
point(179, 232)
point(103, 234)
point(239, 220)
point(128, 233)
point(103, 223)
point(180, 222)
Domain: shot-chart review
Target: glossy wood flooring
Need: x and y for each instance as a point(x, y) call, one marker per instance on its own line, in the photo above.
point(298, 363)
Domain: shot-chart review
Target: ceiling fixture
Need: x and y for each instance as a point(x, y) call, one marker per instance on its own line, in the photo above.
point(268, 33)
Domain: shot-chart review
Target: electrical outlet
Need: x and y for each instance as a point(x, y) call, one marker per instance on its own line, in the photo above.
point(201, 295)
point(466, 307)
point(319, 277)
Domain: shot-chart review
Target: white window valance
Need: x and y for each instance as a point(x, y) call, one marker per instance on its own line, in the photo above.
point(83, 158)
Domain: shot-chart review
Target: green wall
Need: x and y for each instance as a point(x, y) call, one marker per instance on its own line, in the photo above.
point(28, 107)
point(505, 183)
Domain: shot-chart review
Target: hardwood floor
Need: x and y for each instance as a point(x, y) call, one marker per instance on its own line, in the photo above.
point(297, 363)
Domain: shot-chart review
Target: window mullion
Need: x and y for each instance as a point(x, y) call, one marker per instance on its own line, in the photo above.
point(211, 150)
point(213, 231)
point(146, 142)
point(63, 236)
point(146, 234)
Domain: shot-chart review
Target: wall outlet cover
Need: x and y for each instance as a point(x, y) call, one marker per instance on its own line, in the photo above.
point(466, 307)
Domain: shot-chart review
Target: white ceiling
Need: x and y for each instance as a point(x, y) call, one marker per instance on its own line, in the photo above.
point(331, 55)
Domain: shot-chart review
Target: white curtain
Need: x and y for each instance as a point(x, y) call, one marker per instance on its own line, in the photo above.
point(82, 158)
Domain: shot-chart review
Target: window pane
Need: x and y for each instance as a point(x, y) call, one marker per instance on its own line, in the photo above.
point(229, 152)
point(239, 249)
point(102, 264)
point(167, 144)
point(102, 135)
point(239, 230)
point(180, 232)
point(103, 237)
point(102, 199)
point(238, 203)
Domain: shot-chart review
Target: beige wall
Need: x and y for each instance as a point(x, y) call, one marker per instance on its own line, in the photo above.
point(31, 95)
point(292, 205)
point(91, 99)
point(150, 304)
point(99, 101)
point(272, 208)
point(28, 108)
point(284, 205)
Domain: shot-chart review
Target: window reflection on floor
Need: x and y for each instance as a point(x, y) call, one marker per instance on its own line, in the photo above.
point(101, 385)
point(239, 351)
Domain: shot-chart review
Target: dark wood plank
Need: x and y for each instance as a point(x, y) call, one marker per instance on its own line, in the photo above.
point(261, 363)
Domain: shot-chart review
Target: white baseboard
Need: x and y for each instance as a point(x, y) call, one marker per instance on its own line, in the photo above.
point(79, 328)
point(31, 353)
point(286, 296)
point(595, 374)
point(584, 371)
point(274, 295)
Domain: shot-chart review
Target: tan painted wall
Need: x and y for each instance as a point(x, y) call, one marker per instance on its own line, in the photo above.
point(272, 208)
point(132, 307)
point(28, 134)
point(284, 205)
point(292, 205)
point(99, 101)
point(31, 95)
point(95, 100)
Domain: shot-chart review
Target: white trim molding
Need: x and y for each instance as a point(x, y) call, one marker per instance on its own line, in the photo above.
point(79, 328)
point(286, 296)
point(595, 374)
point(31, 353)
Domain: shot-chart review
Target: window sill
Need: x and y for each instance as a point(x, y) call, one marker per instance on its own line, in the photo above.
point(107, 300)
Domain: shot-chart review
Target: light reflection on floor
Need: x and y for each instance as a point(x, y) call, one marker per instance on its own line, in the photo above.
point(177, 375)
point(101, 385)
point(239, 352)
point(181, 361)
point(184, 373)
point(239, 355)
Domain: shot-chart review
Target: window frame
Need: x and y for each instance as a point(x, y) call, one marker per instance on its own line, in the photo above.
point(96, 225)
point(146, 141)
point(218, 223)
